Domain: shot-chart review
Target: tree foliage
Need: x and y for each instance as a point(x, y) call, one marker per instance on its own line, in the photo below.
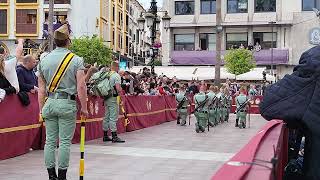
point(156, 62)
point(92, 50)
point(239, 61)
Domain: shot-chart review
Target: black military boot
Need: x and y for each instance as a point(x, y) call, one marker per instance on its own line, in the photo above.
point(211, 124)
point(106, 137)
point(52, 174)
point(201, 129)
point(62, 174)
point(237, 123)
point(116, 139)
point(178, 120)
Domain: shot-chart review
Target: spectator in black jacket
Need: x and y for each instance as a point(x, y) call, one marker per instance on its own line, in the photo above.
point(28, 80)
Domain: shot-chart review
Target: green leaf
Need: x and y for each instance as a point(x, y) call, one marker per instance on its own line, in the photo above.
point(92, 50)
point(239, 61)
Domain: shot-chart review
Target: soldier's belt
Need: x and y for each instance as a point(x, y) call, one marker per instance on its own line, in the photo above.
point(60, 72)
point(202, 111)
point(61, 95)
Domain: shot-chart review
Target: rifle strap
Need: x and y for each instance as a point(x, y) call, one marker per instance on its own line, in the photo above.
point(60, 72)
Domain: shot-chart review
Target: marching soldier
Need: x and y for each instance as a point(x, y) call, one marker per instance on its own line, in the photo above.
point(242, 103)
point(201, 112)
point(61, 78)
point(223, 104)
point(212, 108)
point(182, 105)
point(228, 102)
point(112, 106)
point(218, 105)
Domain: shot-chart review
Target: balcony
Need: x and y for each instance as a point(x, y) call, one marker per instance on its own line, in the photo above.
point(55, 27)
point(60, 5)
point(58, 1)
point(263, 57)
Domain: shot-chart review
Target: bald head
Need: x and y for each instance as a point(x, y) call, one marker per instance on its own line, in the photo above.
point(29, 62)
point(115, 66)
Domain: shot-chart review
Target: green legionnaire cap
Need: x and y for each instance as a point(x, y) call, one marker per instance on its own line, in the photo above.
point(62, 33)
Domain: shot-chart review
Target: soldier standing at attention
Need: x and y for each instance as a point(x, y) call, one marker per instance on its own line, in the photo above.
point(241, 102)
point(182, 105)
point(61, 78)
point(218, 105)
point(112, 106)
point(212, 106)
point(201, 113)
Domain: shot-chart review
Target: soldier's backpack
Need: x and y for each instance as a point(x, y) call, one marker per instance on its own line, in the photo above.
point(100, 84)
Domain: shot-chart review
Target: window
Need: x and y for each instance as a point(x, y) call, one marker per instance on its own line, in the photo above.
point(113, 37)
point(26, 1)
point(3, 21)
point(234, 40)
point(208, 6)
point(307, 5)
point(119, 40)
point(26, 21)
point(237, 6)
point(265, 39)
point(184, 7)
point(113, 14)
point(58, 1)
point(3, 1)
point(208, 42)
point(184, 42)
point(265, 5)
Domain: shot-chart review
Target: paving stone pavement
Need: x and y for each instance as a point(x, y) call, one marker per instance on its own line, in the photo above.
point(163, 152)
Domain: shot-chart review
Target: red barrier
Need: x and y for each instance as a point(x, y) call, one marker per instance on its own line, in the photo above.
point(19, 127)
point(246, 164)
point(21, 131)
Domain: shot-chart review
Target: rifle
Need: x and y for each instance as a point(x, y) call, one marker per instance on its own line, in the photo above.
point(201, 105)
point(242, 105)
point(182, 101)
point(213, 101)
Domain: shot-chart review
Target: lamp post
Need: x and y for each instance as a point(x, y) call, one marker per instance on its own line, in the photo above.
point(272, 41)
point(152, 21)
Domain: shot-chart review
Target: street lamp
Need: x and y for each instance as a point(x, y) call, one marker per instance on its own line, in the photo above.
point(272, 41)
point(153, 23)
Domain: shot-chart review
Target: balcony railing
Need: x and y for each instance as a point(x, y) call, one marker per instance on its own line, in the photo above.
point(59, 1)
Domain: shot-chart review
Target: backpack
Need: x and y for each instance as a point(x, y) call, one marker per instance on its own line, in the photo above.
point(100, 84)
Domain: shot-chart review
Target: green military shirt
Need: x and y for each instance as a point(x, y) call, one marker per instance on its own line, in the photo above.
point(49, 64)
point(240, 100)
point(182, 96)
point(199, 98)
point(211, 96)
point(115, 78)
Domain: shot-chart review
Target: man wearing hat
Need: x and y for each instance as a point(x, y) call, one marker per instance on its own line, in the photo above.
point(61, 79)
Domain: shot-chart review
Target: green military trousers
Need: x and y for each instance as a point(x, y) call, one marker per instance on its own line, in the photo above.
point(242, 118)
point(224, 112)
point(219, 115)
point(202, 120)
point(60, 122)
point(112, 113)
point(183, 114)
point(213, 114)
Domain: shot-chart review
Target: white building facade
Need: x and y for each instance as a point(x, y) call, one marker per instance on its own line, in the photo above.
point(28, 19)
point(139, 41)
point(192, 31)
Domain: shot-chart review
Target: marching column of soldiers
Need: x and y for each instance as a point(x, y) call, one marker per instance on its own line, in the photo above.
point(212, 107)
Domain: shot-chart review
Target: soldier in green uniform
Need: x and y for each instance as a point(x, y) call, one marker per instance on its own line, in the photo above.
point(61, 78)
point(212, 107)
point(218, 105)
point(182, 105)
point(228, 102)
point(223, 104)
point(241, 102)
point(201, 113)
point(112, 106)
